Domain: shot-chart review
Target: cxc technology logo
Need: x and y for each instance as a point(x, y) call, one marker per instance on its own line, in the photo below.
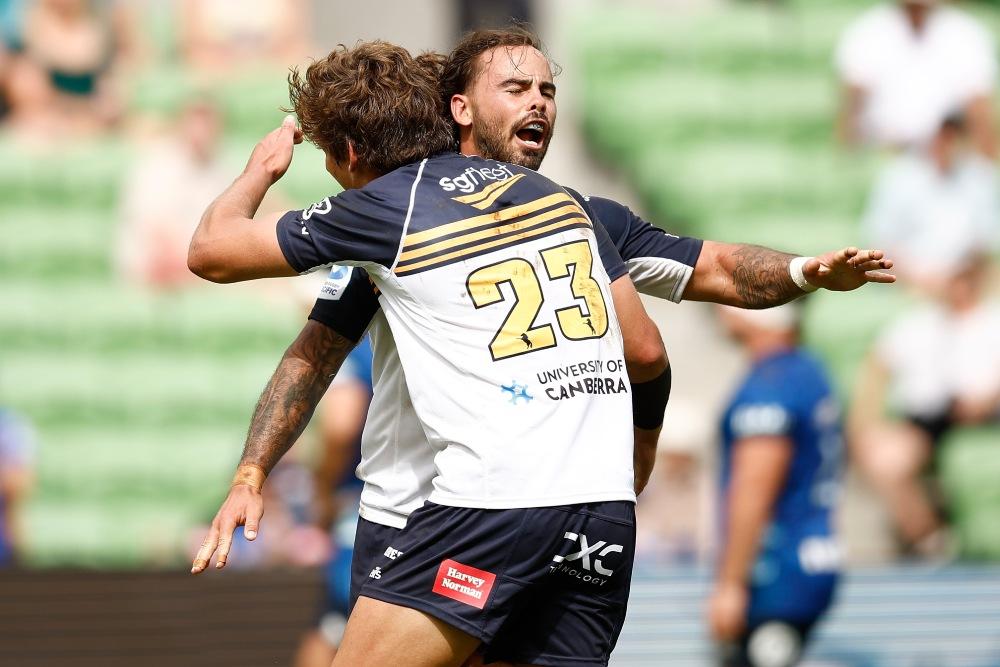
point(463, 583)
point(516, 391)
point(583, 571)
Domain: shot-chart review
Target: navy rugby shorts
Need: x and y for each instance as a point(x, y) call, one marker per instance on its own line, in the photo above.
point(542, 585)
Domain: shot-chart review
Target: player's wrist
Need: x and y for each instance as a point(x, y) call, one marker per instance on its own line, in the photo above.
point(250, 475)
point(798, 276)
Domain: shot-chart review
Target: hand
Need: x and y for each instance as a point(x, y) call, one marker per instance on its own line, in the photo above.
point(848, 269)
point(727, 611)
point(243, 506)
point(273, 153)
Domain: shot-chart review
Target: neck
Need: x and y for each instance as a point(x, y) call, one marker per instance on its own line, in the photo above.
point(466, 144)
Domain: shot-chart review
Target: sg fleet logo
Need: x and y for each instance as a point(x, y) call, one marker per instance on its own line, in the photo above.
point(473, 177)
point(585, 569)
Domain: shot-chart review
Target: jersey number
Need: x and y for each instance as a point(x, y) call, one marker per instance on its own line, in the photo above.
point(518, 335)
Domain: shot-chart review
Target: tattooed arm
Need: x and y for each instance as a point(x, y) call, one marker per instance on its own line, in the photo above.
point(282, 413)
point(750, 276)
point(293, 392)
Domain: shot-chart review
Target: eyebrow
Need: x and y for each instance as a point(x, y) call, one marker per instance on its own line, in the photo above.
point(545, 86)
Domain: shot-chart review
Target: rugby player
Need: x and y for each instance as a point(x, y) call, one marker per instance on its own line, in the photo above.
point(781, 465)
point(483, 292)
point(398, 463)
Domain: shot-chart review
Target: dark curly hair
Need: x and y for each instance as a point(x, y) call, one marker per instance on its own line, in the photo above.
point(376, 96)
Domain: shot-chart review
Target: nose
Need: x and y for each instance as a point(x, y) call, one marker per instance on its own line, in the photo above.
point(538, 102)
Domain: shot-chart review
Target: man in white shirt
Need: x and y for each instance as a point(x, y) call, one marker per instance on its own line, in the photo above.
point(931, 211)
point(906, 66)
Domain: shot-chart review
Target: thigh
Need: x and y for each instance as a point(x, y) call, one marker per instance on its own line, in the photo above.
point(379, 633)
point(575, 614)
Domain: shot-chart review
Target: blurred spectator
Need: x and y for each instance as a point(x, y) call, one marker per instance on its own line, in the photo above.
point(17, 453)
point(218, 37)
point(157, 223)
point(905, 67)
point(337, 492)
point(937, 367)
point(63, 56)
point(781, 465)
point(931, 212)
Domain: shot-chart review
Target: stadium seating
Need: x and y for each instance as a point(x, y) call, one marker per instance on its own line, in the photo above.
point(141, 400)
point(723, 121)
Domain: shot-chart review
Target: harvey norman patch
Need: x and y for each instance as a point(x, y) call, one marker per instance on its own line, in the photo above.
point(463, 583)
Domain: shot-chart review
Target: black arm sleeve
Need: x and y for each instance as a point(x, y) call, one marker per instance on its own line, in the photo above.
point(347, 302)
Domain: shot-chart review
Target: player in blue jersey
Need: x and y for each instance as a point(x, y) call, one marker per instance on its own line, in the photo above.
point(780, 477)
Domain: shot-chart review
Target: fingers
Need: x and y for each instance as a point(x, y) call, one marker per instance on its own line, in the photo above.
point(253, 520)
point(225, 544)
point(864, 256)
point(873, 265)
point(879, 277)
point(207, 549)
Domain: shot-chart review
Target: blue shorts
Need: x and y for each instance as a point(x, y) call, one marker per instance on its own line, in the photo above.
point(543, 585)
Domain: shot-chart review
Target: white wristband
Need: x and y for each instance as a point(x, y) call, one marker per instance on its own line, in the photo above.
point(795, 269)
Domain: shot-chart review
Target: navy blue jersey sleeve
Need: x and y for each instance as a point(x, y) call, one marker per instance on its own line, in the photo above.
point(355, 227)
point(347, 302)
point(660, 264)
point(613, 263)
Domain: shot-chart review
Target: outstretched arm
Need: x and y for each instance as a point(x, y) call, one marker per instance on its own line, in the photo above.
point(749, 276)
point(282, 413)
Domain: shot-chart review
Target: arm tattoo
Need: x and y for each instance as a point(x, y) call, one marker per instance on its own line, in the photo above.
point(761, 277)
point(292, 393)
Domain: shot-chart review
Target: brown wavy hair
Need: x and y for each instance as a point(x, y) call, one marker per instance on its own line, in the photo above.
point(376, 96)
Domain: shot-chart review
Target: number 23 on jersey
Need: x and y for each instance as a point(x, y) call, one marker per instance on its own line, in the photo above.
point(518, 334)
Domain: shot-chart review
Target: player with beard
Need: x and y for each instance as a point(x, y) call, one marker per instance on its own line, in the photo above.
point(502, 100)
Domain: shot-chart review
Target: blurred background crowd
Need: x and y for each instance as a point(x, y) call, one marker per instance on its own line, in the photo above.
point(126, 383)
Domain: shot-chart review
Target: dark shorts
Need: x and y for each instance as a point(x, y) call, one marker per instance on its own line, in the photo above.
point(371, 542)
point(545, 585)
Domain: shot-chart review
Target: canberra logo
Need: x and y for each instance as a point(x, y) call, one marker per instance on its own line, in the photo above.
point(516, 391)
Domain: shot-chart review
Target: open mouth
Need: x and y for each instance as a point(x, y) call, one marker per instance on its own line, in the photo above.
point(532, 134)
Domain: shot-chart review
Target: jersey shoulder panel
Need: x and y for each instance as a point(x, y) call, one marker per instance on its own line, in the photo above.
point(469, 206)
point(361, 225)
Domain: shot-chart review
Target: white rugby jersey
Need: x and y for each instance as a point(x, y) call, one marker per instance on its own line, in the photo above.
point(494, 286)
point(397, 462)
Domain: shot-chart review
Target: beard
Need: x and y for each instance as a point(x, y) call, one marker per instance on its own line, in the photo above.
point(495, 142)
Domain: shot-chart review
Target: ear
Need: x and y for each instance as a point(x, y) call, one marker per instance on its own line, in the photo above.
point(461, 110)
point(352, 156)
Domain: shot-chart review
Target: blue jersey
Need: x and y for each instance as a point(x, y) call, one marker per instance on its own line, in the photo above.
point(788, 394)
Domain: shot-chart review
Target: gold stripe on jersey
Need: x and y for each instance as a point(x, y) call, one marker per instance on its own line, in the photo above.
point(442, 259)
point(488, 195)
point(488, 233)
point(487, 219)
